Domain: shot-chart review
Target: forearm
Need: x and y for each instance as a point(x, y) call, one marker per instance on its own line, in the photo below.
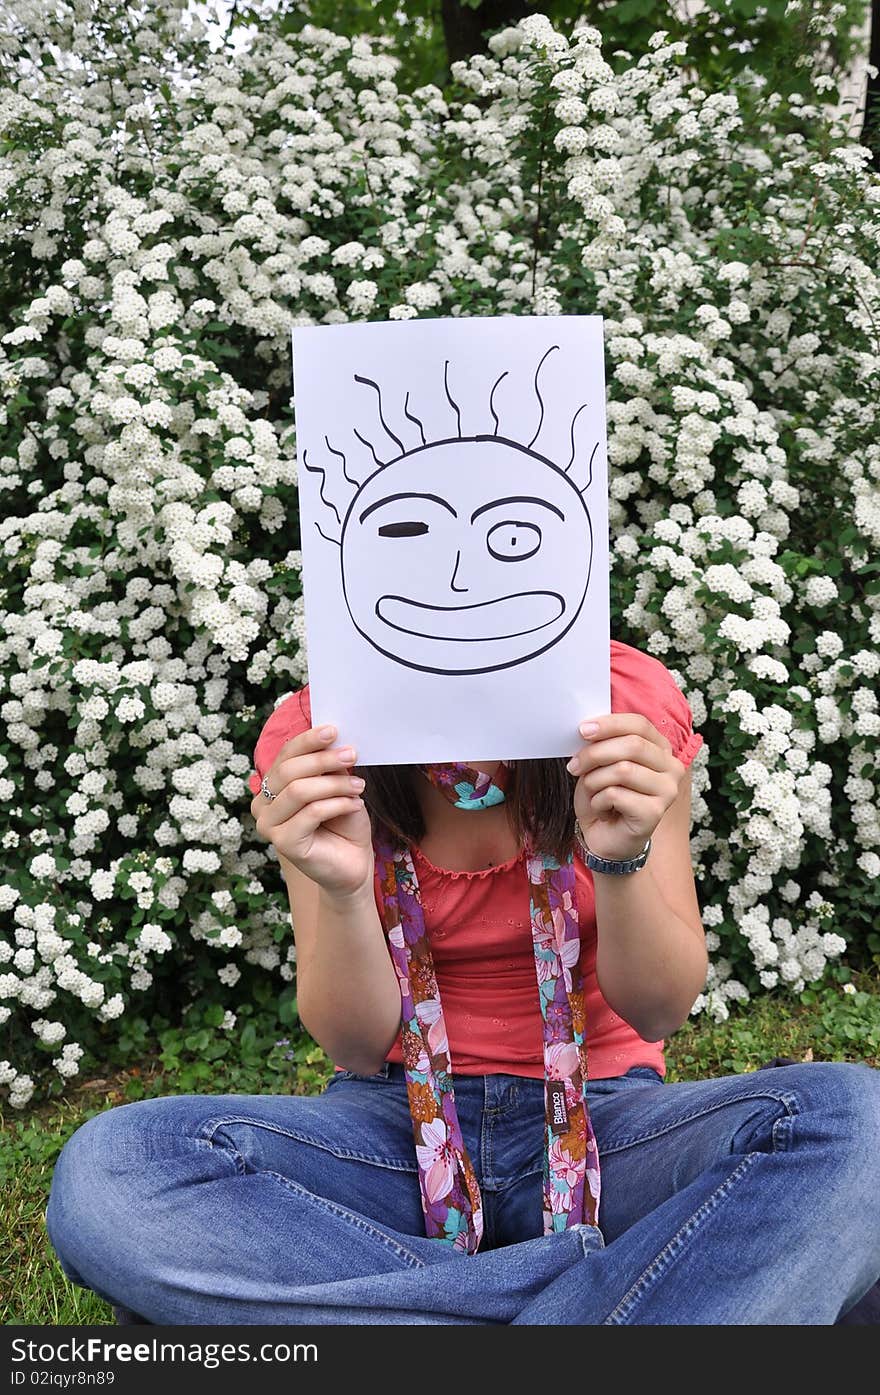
point(347, 990)
point(650, 964)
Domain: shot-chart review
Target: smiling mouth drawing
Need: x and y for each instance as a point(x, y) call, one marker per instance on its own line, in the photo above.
point(524, 612)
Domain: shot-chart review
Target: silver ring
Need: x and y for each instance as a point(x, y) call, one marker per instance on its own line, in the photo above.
point(264, 789)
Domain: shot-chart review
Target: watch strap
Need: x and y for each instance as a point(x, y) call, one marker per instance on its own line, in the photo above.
point(615, 867)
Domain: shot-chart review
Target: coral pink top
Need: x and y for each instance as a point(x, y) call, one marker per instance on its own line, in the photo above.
point(478, 922)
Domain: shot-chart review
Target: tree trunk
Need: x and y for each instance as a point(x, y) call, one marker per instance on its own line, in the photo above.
point(463, 27)
point(871, 127)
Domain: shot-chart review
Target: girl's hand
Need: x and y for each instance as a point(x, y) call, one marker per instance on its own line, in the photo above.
point(318, 819)
point(627, 779)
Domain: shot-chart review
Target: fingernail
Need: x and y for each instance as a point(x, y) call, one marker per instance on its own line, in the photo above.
point(588, 728)
point(346, 755)
point(326, 732)
point(572, 765)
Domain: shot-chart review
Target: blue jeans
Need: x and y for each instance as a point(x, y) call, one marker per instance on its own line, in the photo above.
point(745, 1199)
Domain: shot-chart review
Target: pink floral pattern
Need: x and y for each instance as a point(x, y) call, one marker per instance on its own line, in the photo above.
point(450, 1192)
point(571, 1157)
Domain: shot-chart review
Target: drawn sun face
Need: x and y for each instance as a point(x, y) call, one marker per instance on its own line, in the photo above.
point(466, 556)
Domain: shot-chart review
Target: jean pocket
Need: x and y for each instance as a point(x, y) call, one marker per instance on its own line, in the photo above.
point(382, 1075)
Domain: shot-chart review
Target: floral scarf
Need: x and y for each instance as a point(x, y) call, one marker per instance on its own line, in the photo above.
point(449, 1189)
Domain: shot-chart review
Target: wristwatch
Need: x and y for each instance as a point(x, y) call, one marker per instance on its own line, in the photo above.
point(616, 867)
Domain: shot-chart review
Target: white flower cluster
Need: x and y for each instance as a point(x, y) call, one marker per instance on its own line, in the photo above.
point(150, 606)
point(781, 953)
point(20, 1087)
point(67, 1064)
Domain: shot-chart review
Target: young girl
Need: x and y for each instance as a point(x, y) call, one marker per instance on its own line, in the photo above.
point(491, 952)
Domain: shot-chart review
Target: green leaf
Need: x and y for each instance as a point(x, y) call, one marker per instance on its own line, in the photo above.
point(287, 1009)
point(634, 9)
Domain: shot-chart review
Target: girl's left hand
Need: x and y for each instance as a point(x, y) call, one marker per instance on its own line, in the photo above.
point(627, 779)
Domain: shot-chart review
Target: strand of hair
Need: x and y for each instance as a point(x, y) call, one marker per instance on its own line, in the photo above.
point(364, 442)
point(334, 451)
point(318, 470)
point(410, 416)
point(491, 395)
point(573, 420)
point(452, 404)
point(386, 427)
point(539, 397)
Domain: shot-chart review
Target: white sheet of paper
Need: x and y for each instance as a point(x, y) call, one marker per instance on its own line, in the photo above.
point(454, 517)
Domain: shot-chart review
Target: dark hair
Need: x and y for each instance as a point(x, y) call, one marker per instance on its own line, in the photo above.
point(539, 797)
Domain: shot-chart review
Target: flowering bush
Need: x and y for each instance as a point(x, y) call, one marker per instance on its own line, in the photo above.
point(167, 212)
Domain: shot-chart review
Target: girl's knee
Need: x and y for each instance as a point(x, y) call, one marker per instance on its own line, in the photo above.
point(859, 1090)
point(843, 1099)
point(103, 1170)
point(848, 1087)
point(79, 1178)
point(109, 1142)
point(76, 1191)
point(78, 1172)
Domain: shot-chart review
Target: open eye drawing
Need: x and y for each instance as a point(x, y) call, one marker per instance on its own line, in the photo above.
point(514, 540)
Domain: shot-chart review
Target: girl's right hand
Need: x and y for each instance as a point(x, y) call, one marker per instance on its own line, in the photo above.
point(318, 820)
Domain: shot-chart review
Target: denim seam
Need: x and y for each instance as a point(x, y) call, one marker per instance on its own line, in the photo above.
point(487, 1124)
point(486, 1129)
point(783, 1128)
point(677, 1245)
point(353, 1219)
point(787, 1100)
point(391, 1164)
point(228, 1147)
point(377, 1078)
point(510, 1105)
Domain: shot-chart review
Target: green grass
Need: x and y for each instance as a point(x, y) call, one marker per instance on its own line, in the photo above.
point(827, 1024)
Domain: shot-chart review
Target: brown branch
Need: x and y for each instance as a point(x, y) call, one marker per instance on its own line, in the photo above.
point(811, 219)
point(537, 234)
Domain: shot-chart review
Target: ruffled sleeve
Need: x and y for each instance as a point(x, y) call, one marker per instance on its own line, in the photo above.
point(641, 683)
point(292, 716)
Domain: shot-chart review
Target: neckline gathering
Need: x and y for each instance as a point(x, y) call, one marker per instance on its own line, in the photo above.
point(470, 876)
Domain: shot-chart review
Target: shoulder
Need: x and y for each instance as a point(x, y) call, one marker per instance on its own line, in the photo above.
point(633, 669)
point(292, 716)
point(642, 683)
